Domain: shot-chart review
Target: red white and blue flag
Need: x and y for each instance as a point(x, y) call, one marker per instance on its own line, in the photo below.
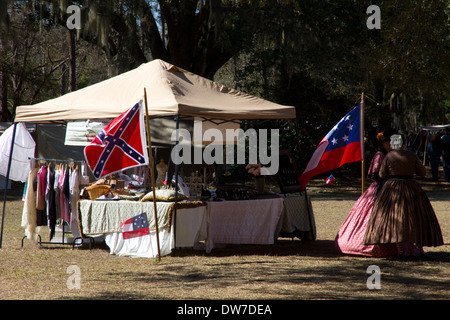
point(120, 145)
point(136, 226)
point(340, 146)
point(330, 179)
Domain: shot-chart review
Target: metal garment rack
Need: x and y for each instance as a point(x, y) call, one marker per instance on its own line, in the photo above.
point(73, 243)
point(80, 240)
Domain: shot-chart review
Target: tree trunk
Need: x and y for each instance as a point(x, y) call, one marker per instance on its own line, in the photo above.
point(63, 79)
point(4, 84)
point(5, 114)
point(72, 64)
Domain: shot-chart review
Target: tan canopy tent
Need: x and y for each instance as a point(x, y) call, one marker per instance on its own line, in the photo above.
point(170, 91)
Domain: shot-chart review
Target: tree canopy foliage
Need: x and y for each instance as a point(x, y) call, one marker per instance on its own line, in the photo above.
point(316, 55)
point(322, 60)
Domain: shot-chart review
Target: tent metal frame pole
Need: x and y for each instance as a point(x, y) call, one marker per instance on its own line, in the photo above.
point(7, 180)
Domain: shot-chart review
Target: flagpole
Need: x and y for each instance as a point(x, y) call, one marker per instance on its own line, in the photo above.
point(362, 144)
point(152, 173)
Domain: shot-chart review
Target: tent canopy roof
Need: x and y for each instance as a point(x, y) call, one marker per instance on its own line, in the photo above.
point(170, 91)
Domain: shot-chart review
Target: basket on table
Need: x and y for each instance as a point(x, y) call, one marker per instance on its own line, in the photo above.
point(124, 195)
point(98, 190)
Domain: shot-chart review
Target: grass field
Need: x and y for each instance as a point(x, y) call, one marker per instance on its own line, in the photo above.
point(288, 270)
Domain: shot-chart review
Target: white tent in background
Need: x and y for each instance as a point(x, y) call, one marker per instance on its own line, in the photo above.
point(433, 128)
point(23, 151)
point(436, 127)
point(16, 148)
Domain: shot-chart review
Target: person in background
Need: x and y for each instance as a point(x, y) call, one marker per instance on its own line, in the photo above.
point(402, 213)
point(434, 152)
point(445, 139)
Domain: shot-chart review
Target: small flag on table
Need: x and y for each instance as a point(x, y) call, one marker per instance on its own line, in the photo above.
point(136, 226)
point(330, 179)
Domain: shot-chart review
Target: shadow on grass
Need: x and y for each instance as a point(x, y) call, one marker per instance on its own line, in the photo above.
point(294, 247)
point(302, 277)
point(283, 247)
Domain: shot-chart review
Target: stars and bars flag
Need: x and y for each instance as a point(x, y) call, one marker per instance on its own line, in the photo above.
point(330, 179)
point(340, 146)
point(120, 145)
point(136, 226)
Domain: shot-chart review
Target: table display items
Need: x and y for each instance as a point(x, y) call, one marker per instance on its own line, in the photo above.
point(235, 192)
point(161, 168)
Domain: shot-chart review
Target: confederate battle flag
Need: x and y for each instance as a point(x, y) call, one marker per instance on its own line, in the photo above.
point(120, 145)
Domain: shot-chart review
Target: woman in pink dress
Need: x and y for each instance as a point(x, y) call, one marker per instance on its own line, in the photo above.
point(350, 238)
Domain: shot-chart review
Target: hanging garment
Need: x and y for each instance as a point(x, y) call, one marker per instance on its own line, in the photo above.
point(66, 192)
point(42, 186)
point(29, 208)
point(50, 200)
point(57, 193)
point(41, 215)
point(74, 197)
point(62, 197)
point(144, 175)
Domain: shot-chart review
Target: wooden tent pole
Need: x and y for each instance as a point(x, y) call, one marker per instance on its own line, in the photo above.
point(152, 173)
point(362, 144)
point(425, 149)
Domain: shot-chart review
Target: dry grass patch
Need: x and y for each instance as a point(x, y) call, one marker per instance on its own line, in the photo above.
point(288, 270)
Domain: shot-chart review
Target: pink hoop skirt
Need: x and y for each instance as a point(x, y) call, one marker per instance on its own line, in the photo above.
point(350, 238)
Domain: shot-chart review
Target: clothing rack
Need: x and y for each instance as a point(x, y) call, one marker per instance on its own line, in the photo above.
point(76, 241)
point(57, 160)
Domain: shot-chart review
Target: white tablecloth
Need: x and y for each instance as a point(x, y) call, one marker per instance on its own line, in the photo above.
point(105, 217)
point(102, 217)
point(221, 222)
point(190, 230)
point(243, 222)
point(297, 217)
point(142, 247)
point(191, 227)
